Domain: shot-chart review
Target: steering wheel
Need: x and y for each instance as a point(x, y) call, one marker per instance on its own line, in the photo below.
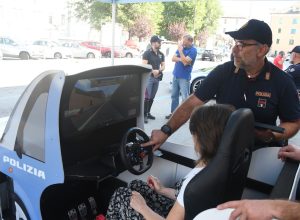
point(136, 159)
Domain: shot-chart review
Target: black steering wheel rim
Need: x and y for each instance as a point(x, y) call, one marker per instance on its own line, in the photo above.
point(132, 154)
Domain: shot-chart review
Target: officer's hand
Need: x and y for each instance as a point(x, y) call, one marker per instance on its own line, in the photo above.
point(157, 139)
point(266, 136)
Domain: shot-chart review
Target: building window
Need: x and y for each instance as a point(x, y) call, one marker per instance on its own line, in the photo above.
point(293, 31)
point(277, 41)
point(280, 21)
point(279, 30)
point(50, 20)
point(291, 42)
point(63, 19)
point(225, 21)
point(295, 20)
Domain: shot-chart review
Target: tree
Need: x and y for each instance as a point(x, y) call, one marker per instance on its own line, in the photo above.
point(128, 14)
point(176, 12)
point(195, 16)
point(176, 31)
point(202, 37)
point(199, 16)
point(141, 28)
point(92, 11)
point(96, 13)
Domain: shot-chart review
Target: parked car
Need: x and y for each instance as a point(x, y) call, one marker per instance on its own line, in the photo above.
point(79, 51)
point(130, 52)
point(11, 49)
point(132, 44)
point(200, 51)
point(197, 77)
point(208, 55)
point(51, 49)
point(105, 50)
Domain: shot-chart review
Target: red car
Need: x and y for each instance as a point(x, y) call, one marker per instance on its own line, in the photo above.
point(105, 50)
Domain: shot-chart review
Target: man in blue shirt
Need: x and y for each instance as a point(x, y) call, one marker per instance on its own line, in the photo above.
point(184, 60)
point(249, 81)
point(294, 69)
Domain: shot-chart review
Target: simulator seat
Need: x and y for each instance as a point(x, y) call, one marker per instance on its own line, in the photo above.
point(224, 178)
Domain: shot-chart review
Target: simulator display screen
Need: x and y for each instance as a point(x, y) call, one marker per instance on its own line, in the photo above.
point(100, 102)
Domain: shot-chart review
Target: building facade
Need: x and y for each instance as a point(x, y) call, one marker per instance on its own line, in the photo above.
point(286, 30)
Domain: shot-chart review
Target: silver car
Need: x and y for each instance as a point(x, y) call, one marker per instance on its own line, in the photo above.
point(10, 48)
point(79, 51)
point(197, 77)
point(51, 49)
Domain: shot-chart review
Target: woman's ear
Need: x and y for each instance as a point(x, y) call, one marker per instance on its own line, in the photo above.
point(196, 144)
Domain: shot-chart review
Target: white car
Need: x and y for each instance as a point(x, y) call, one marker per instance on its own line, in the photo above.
point(130, 53)
point(197, 77)
point(51, 49)
point(79, 51)
point(11, 49)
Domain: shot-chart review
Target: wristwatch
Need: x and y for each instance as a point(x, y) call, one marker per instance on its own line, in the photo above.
point(166, 129)
point(270, 139)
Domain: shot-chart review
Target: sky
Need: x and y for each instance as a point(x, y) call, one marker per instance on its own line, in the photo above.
point(254, 9)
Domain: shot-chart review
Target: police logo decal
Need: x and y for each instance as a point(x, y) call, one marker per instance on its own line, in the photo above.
point(262, 103)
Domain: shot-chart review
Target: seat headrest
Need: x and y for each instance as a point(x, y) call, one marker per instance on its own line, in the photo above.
point(223, 179)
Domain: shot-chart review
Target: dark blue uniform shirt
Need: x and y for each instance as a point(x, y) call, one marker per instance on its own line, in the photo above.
point(271, 94)
point(154, 59)
point(294, 71)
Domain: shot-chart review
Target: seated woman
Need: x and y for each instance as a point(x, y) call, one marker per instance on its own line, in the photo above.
point(152, 200)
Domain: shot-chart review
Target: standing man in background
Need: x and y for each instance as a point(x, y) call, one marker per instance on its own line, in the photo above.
point(294, 69)
point(156, 59)
point(184, 60)
point(279, 60)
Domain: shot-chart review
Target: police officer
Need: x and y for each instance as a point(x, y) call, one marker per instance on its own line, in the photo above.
point(156, 59)
point(294, 69)
point(249, 81)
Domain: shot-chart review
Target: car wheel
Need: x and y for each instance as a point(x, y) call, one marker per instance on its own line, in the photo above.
point(196, 82)
point(24, 56)
point(129, 55)
point(90, 56)
point(107, 54)
point(57, 55)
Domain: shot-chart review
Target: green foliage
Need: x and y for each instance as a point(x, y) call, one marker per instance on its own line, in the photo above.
point(176, 31)
point(92, 11)
point(197, 15)
point(129, 13)
point(193, 16)
point(176, 12)
point(142, 28)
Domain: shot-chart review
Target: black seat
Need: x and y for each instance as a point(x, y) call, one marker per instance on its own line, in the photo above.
point(225, 176)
